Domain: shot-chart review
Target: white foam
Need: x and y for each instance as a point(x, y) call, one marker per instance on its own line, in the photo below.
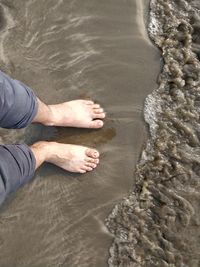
point(151, 109)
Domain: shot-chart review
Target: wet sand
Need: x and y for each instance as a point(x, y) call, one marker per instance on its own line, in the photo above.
point(66, 50)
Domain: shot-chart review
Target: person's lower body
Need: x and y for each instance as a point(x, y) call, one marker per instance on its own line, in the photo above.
point(19, 107)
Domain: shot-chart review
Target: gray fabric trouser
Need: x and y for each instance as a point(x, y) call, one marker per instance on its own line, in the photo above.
point(18, 107)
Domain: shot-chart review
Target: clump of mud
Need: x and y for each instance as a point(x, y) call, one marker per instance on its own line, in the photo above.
point(158, 224)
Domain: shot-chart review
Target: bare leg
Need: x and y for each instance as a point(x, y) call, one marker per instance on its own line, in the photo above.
point(72, 158)
point(76, 113)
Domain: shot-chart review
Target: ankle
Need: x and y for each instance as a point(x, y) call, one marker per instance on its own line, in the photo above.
point(50, 117)
point(41, 151)
point(50, 149)
point(58, 115)
point(45, 114)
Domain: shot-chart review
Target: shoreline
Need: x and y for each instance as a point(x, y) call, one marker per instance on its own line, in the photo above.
point(157, 224)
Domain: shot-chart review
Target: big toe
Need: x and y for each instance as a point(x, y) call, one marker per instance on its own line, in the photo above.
point(93, 153)
point(96, 124)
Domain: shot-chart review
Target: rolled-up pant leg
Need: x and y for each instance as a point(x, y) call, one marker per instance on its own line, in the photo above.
point(18, 103)
point(18, 107)
point(17, 166)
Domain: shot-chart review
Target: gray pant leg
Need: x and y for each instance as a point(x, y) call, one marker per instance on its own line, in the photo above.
point(17, 166)
point(18, 103)
point(18, 107)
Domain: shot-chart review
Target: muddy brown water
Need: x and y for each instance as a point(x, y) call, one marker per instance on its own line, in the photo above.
point(66, 50)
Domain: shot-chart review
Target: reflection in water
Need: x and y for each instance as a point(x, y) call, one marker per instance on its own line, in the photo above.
point(86, 137)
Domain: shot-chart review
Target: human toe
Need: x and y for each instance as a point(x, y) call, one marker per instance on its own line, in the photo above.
point(98, 110)
point(99, 115)
point(89, 102)
point(96, 124)
point(93, 153)
point(92, 165)
point(87, 168)
point(97, 106)
point(92, 160)
point(82, 171)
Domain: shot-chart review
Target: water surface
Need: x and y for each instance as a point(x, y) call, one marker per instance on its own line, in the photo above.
point(66, 50)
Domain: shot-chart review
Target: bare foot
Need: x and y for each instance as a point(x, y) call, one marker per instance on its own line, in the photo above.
point(72, 158)
point(77, 113)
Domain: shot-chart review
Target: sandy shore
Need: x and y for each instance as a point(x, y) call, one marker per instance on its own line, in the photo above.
point(68, 50)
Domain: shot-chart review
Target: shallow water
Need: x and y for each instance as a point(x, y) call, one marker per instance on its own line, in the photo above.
point(158, 224)
point(66, 50)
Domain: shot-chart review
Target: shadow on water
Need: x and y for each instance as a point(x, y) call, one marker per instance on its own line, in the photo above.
point(85, 137)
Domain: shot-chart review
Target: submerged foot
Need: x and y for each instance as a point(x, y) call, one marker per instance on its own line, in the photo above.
point(77, 113)
point(72, 158)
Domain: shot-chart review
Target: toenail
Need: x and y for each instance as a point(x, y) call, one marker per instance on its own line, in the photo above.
point(95, 154)
point(96, 106)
